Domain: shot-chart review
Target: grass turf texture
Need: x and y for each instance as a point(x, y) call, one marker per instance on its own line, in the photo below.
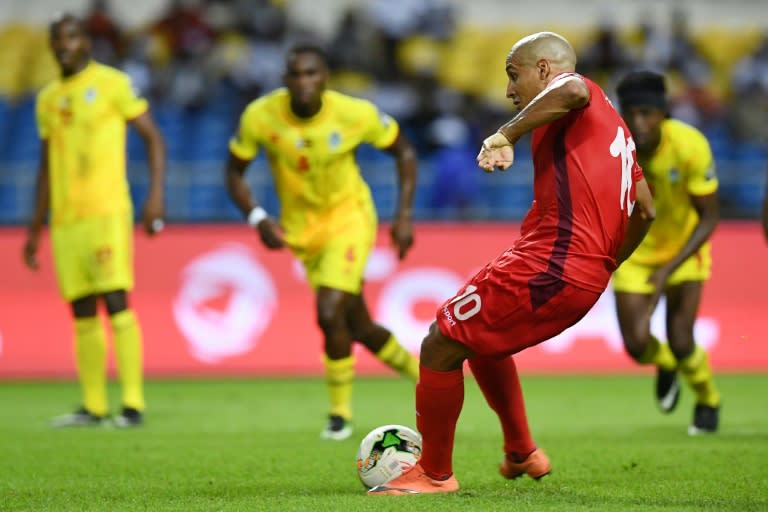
point(253, 445)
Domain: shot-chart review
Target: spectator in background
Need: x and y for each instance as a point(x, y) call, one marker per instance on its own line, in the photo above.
point(684, 57)
point(189, 38)
point(674, 258)
point(82, 119)
point(748, 110)
point(455, 188)
point(105, 33)
point(605, 55)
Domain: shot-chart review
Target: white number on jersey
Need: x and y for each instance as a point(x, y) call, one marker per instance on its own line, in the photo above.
point(623, 147)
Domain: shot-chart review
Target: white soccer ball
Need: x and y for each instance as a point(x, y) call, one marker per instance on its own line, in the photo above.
point(386, 453)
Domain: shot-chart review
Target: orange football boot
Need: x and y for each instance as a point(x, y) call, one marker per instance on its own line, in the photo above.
point(415, 481)
point(536, 466)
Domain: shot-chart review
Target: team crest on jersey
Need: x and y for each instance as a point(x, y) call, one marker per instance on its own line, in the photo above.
point(90, 94)
point(385, 119)
point(674, 175)
point(334, 140)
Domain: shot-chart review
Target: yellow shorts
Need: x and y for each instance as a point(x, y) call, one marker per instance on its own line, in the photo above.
point(340, 258)
point(94, 256)
point(632, 277)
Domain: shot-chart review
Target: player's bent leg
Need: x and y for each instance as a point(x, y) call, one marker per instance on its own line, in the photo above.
point(683, 303)
point(499, 382)
point(633, 311)
point(379, 340)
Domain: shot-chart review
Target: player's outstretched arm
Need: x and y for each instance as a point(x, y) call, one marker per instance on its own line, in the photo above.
point(269, 231)
point(639, 222)
point(407, 170)
point(153, 213)
point(42, 194)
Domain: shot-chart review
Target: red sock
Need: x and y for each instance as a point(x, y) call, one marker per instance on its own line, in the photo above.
point(500, 384)
point(439, 398)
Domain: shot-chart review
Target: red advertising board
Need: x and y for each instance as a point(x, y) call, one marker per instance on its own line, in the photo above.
point(212, 301)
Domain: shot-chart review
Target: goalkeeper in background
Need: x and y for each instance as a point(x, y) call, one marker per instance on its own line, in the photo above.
point(81, 119)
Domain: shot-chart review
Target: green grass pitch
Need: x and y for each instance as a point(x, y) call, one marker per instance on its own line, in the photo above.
point(252, 445)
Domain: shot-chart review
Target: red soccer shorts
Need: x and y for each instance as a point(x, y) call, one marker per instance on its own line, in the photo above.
point(507, 307)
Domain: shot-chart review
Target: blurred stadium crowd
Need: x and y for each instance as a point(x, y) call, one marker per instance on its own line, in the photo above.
point(201, 61)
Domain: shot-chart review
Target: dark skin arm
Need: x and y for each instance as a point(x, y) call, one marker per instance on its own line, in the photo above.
point(269, 230)
point(153, 140)
point(40, 211)
point(709, 214)
point(402, 225)
point(639, 222)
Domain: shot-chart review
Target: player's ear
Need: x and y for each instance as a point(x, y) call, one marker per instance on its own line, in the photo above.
point(543, 68)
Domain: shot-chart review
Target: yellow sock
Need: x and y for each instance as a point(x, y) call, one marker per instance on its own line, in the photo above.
point(339, 374)
point(659, 354)
point(91, 354)
point(128, 353)
point(696, 370)
point(394, 355)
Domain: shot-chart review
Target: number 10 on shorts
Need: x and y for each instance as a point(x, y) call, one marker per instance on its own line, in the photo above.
point(466, 304)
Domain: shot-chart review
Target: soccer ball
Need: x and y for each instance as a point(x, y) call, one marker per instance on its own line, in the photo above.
point(386, 453)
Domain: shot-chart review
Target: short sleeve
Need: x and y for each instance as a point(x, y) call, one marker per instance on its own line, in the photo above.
point(244, 144)
point(42, 118)
point(129, 103)
point(637, 172)
point(702, 178)
point(381, 129)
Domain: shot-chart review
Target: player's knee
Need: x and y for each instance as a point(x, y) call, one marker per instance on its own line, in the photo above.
point(84, 307)
point(329, 317)
point(116, 301)
point(441, 353)
point(681, 343)
point(636, 340)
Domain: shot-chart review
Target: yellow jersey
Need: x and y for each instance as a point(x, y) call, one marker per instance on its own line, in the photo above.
point(313, 160)
point(83, 118)
point(681, 166)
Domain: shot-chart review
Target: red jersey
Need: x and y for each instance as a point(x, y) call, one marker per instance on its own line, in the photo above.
point(585, 170)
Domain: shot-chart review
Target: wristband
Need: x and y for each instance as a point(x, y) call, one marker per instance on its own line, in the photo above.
point(257, 215)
